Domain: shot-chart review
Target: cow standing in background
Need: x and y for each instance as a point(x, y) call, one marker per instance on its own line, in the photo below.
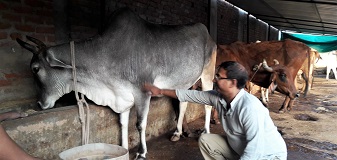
point(305, 70)
point(290, 54)
point(331, 63)
point(113, 67)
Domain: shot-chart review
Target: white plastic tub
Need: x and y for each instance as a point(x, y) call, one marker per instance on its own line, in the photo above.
point(96, 151)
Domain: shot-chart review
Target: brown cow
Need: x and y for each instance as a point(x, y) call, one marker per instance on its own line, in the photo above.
point(289, 53)
point(302, 73)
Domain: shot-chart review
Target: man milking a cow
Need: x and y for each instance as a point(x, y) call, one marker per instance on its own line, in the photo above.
point(250, 131)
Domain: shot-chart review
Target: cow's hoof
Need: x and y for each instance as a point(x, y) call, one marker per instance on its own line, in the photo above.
point(186, 134)
point(139, 157)
point(215, 121)
point(175, 138)
point(281, 111)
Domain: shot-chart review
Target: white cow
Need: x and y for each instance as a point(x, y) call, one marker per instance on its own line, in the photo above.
point(329, 60)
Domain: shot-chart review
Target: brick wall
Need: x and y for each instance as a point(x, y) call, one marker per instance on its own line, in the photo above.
point(165, 11)
point(31, 17)
point(257, 30)
point(228, 21)
point(234, 26)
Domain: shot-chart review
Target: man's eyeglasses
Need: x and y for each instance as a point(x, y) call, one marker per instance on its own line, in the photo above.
point(217, 77)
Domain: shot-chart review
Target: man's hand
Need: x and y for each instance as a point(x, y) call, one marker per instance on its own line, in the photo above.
point(12, 115)
point(152, 90)
point(155, 91)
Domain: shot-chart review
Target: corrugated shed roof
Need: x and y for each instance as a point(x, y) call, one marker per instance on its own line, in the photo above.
point(302, 16)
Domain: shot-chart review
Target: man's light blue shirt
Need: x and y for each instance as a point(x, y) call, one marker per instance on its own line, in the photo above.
point(248, 126)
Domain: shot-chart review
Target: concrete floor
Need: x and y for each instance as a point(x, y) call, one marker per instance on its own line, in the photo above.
point(161, 148)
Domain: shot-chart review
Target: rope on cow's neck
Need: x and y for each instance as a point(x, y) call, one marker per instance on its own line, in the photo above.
point(85, 119)
point(256, 69)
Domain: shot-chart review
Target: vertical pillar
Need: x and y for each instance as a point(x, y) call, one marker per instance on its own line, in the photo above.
point(241, 25)
point(213, 19)
point(268, 33)
point(248, 27)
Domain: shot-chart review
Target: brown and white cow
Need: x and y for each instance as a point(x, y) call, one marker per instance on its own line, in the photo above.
point(290, 54)
point(307, 69)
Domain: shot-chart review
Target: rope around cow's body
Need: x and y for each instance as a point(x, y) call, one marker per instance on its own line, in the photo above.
point(84, 118)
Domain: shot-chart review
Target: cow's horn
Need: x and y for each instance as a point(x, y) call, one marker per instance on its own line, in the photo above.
point(27, 46)
point(36, 41)
point(276, 62)
point(266, 67)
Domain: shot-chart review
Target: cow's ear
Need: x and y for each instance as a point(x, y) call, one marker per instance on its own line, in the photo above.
point(54, 62)
point(272, 80)
point(272, 86)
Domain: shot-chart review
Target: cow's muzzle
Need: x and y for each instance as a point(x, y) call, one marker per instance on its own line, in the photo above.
point(297, 95)
point(39, 103)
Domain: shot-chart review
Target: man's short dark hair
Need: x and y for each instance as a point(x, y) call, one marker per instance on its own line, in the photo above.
point(235, 71)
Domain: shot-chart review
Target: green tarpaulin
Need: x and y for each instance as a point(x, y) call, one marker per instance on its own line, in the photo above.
point(319, 42)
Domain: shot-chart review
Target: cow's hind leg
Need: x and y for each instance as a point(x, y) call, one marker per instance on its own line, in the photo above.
point(306, 87)
point(142, 104)
point(179, 130)
point(207, 84)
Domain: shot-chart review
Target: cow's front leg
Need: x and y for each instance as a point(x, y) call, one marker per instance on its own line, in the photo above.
point(124, 120)
point(142, 108)
point(290, 105)
point(264, 96)
point(284, 105)
point(208, 110)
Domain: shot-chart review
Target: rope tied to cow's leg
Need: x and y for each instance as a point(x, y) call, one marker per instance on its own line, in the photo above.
point(84, 118)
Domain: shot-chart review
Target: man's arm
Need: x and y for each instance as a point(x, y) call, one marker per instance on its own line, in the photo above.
point(155, 91)
point(201, 97)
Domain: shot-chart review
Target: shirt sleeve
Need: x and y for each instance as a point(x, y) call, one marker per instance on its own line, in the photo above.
point(201, 97)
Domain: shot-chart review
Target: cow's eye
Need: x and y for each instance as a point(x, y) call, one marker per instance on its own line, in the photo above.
point(35, 69)
point(283, 77)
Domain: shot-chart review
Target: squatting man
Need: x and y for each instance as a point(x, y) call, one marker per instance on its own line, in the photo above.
point(250, 133)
